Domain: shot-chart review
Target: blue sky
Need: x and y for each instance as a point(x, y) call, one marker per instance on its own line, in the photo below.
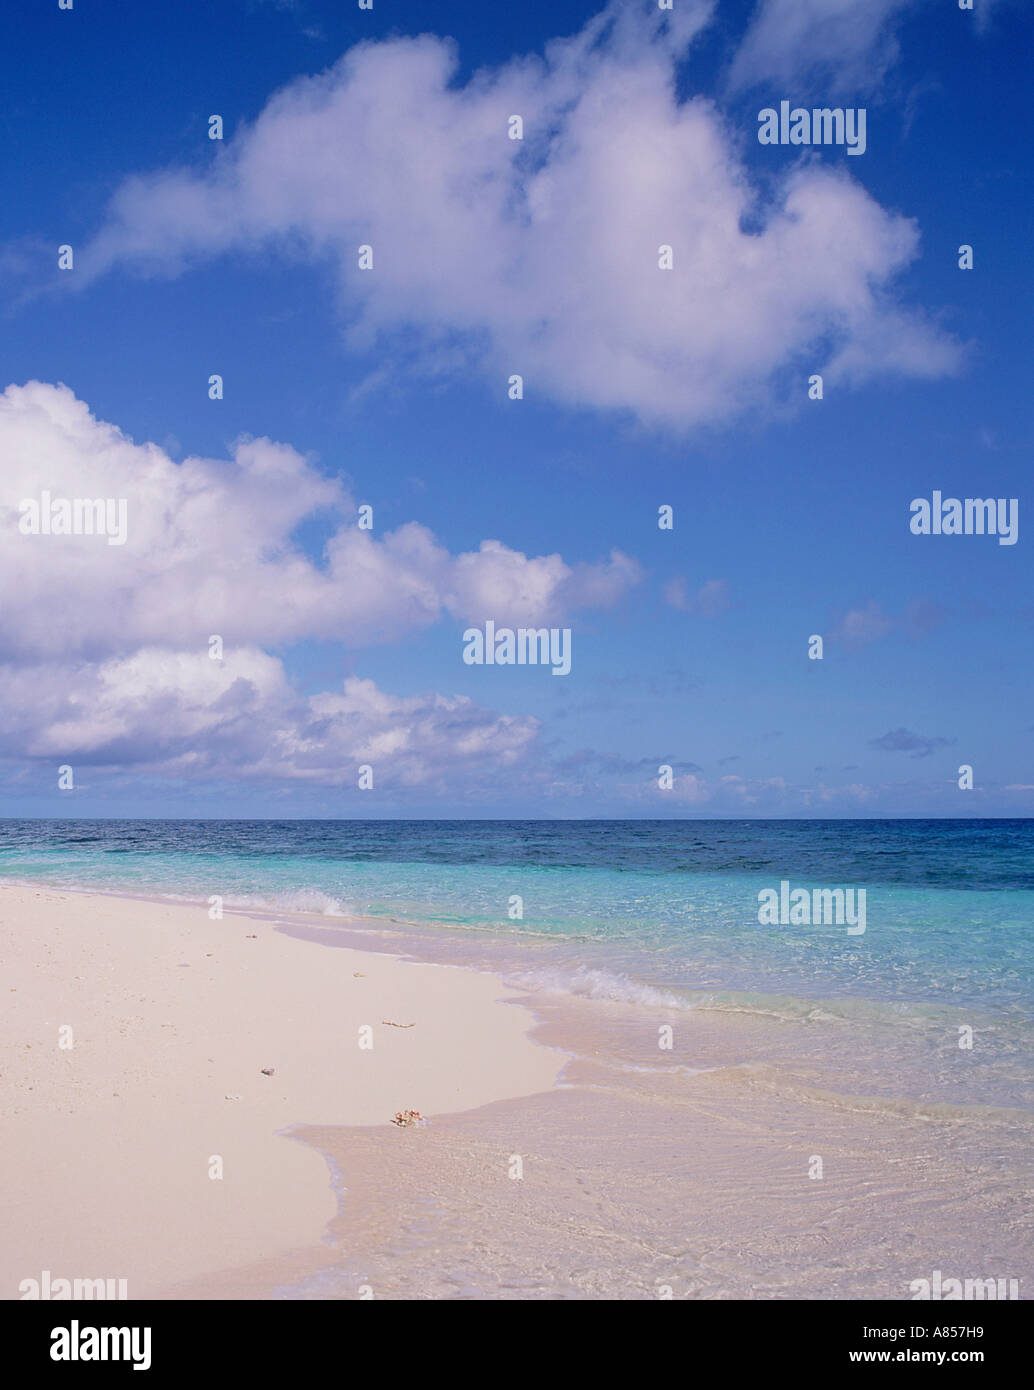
point(642, 387)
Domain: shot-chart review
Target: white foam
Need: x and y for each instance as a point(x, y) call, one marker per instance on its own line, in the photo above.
point(595, 984)
point(309, 900)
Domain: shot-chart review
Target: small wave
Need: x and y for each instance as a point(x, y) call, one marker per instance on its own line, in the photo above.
point(616, 987)
point(310, 900)
point(595, 984)
point(302, 900)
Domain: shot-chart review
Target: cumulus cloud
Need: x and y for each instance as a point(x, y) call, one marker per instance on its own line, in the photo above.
point(183, 714)
point(540, 256)
point(104, 649)
point(209, 549)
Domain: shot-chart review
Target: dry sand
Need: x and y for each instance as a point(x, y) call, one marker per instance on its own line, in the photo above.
point(108, 1145)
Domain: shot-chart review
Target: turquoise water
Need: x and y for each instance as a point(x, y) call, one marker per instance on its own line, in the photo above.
point(950, 904)
point(654, 913)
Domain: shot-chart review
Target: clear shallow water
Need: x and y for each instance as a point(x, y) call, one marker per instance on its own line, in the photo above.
point(658, 913)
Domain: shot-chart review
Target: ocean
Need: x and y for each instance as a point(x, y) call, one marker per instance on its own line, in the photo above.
point(933, 1001)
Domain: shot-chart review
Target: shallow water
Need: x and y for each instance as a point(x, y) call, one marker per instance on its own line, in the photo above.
point(662, 915)
point(709, 1060)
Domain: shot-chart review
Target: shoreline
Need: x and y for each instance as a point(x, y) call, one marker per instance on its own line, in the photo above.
point(639, 1168)
point(112, 1130)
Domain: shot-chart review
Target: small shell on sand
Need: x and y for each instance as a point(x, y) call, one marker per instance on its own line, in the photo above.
point(405, 1118)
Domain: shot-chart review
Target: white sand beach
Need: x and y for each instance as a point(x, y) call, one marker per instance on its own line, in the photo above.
point(108, 1143)
point(741, 1164)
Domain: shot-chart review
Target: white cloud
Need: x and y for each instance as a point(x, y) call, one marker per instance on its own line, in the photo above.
point(710, 600)
point(775, 795)
point(862, 625)
point(210, 550)
point(183, 714)
point(104, 650)
point(540, 256)
point(848, 43)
